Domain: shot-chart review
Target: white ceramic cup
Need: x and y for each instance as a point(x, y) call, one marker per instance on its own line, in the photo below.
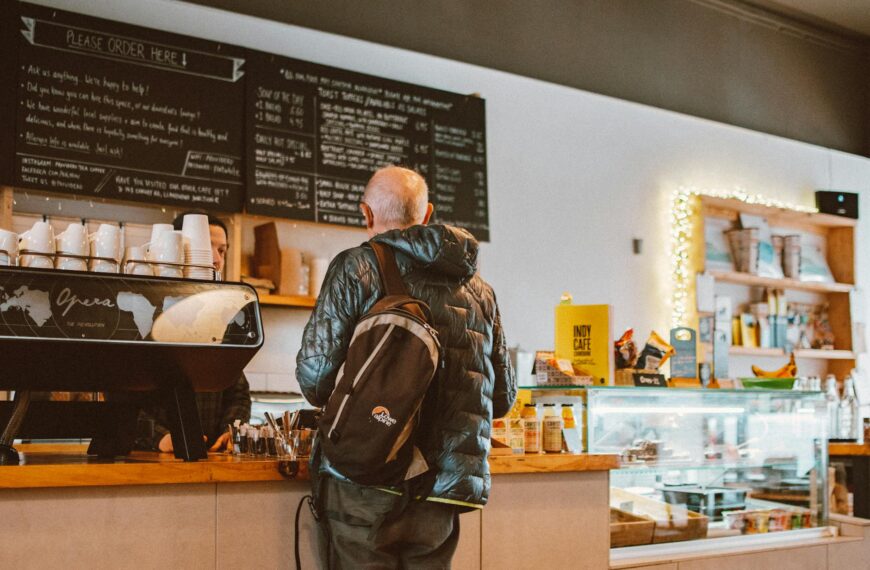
point(70, 264)
point(9, 245)
point(168, 271)
point(168, 248)
point(102, 266)
point(106, 242)
point(131, 267)
point(36, 261)
point(158, 229)
point(196, 232)
point(38, 238)
point(73, 240)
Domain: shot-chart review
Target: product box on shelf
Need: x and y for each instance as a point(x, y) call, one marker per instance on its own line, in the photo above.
point(550, 371)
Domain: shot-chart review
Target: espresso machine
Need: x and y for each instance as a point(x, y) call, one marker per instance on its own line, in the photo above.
point(130, 338)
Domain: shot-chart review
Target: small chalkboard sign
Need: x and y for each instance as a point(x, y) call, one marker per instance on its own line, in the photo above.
point(649, 380)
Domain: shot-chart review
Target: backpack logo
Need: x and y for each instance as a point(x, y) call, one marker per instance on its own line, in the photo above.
point(382, 414)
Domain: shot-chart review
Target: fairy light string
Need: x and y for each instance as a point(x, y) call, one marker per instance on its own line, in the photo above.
point(684, 204)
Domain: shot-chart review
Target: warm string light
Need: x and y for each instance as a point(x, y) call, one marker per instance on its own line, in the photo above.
point(683, 204)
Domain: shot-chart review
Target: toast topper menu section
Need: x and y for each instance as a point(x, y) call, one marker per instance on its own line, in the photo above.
point(118, 111)
point(315, 134)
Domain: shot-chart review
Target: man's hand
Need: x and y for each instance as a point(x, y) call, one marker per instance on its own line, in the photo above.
point(165, 445)
point(222, 443)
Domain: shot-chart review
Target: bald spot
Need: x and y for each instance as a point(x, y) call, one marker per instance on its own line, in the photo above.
point(397, 197)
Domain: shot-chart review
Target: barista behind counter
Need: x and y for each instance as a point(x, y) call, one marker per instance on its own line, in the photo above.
point(216, 409)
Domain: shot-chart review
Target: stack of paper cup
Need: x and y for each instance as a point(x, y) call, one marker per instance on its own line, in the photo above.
point(198, 259)
point(167, 248)
point(8, 247)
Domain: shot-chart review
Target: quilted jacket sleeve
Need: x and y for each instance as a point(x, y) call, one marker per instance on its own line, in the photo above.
point(330, 328)
point(505, 389)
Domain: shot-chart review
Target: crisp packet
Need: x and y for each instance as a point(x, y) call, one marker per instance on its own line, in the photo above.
point(626, 350)
point(655, 353)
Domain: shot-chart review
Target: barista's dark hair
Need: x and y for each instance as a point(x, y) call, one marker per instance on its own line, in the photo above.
point(212, 220)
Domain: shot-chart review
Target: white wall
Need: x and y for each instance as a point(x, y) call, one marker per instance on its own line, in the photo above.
point(573, 177)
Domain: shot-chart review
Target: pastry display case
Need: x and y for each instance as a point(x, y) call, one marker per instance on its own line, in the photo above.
point(710, 463)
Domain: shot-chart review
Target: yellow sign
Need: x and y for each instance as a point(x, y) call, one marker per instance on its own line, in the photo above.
point(583, 338)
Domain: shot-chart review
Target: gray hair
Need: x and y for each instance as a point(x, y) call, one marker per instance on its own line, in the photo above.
point(397, 196)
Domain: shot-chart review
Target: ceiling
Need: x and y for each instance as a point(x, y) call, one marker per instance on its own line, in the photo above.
point(851, 15)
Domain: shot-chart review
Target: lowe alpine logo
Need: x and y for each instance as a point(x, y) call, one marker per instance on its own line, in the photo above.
point(382, 414)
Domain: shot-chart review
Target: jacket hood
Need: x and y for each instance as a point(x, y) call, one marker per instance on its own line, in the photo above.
point(438, 248)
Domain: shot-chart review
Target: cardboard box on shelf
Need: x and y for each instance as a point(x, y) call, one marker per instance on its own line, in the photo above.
point(550, 371)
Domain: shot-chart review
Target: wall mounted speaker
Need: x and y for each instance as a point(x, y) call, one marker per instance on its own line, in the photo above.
point(837, 203)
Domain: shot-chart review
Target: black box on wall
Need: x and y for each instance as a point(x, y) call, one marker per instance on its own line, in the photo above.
point(837, 203)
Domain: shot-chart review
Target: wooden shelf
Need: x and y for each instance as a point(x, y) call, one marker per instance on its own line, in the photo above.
point(728, 207)
point(800, 353)
point(289, 301)
point(769, 282)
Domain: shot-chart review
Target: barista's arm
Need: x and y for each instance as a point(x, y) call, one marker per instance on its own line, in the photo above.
point(237, 406)
point(151, 439)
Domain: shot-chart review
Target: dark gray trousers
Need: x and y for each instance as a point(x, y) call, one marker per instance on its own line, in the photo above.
point(423, 536)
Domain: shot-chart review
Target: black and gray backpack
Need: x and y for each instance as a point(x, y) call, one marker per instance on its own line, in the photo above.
point(369, 427)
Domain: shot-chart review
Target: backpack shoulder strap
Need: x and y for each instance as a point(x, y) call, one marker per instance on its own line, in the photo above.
point(389, 269)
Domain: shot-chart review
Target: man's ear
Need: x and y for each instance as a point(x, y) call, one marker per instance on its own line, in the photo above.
point(368, 215)
point(429, 209)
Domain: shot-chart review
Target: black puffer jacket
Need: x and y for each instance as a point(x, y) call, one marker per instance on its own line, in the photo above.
point(439, 265)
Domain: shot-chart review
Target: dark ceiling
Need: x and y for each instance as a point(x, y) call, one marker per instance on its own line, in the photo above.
point(726, 60)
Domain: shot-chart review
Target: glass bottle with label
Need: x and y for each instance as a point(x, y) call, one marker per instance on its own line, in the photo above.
point(552, 428)
point(531, 429)
point(850, 413)
point(832, 398)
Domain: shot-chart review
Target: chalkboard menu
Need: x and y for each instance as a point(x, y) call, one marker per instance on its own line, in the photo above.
point(118, 111)
point(105, 109)
point(315, 134)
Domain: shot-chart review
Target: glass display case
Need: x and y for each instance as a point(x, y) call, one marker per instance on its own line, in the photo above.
point(709, 463)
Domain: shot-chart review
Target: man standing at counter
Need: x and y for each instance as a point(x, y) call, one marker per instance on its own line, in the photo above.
point(438, 265)
point(216, 409)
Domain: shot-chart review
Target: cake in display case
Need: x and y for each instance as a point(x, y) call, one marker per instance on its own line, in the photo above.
point(712, 463)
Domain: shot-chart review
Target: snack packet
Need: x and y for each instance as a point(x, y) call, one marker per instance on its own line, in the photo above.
point(655, 353)
point(626, 350)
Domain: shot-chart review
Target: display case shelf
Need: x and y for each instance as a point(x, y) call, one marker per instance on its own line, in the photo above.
point(288, 301)
point(751, 280)
point(800, 353)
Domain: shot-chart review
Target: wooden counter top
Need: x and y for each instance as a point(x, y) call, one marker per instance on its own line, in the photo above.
point(555, 463)
point(68, 466)
point(848, 449)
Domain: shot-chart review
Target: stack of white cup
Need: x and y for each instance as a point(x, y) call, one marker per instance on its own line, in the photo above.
point(106, 249)
point(198, 259)
point(74, 242)
point(166, 247)
point(8, 247)
point(39, 240)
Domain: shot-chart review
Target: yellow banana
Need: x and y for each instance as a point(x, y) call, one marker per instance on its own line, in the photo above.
point(787, 371)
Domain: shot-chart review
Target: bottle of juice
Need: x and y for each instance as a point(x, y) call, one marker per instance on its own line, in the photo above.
point(552, 428)
point(499, 430)
point(531, 429)
point(515, 432)
point(568, 416)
